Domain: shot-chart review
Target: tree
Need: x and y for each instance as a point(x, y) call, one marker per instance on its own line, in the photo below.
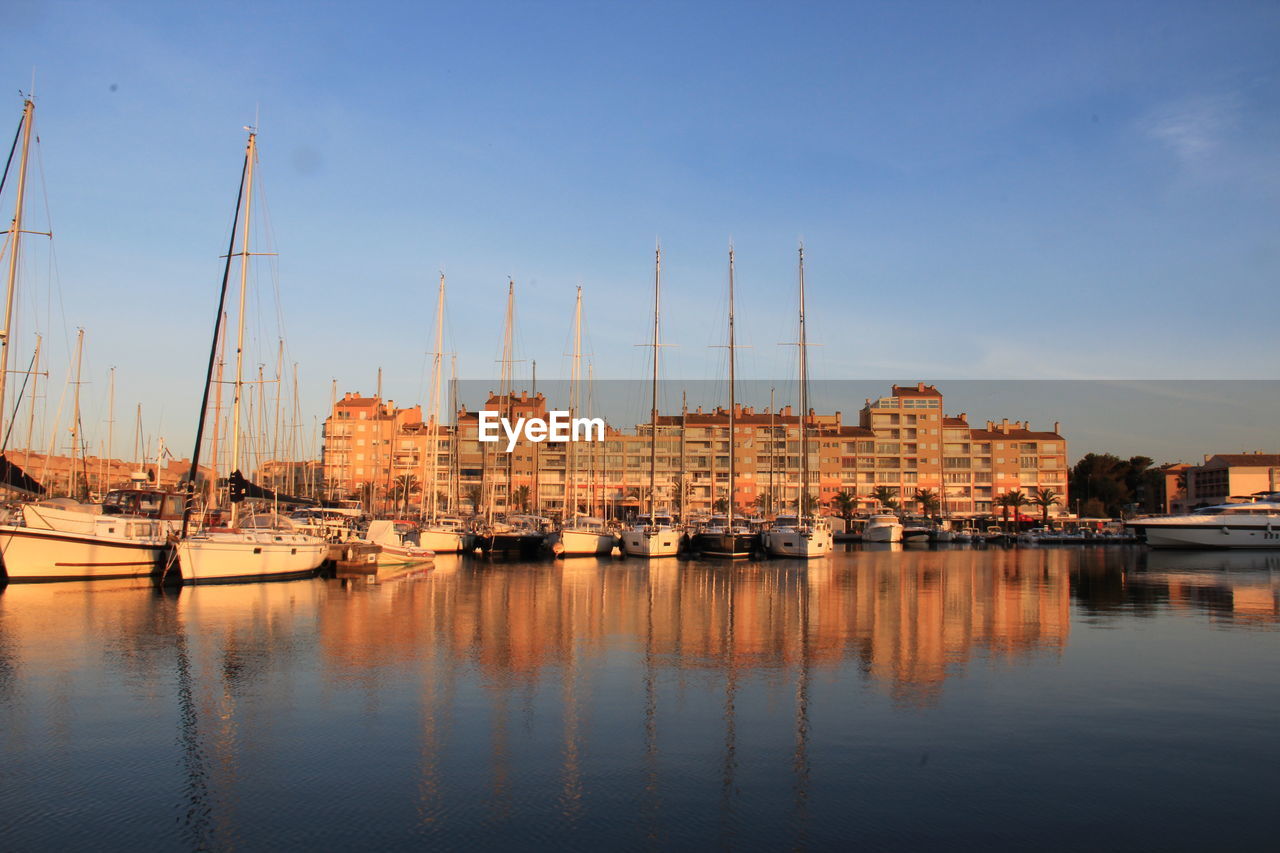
point(520, 498)
point(474, 495)
point(929, 502)
point(886, 496)
point(1045, 499)
point(845, 504)
point(1113, 481)
point(763, 503)
point(721, 505)
point(1015, 501)
point(404, 485)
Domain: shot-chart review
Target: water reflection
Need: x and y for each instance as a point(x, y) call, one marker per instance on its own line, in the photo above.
point(482, 693)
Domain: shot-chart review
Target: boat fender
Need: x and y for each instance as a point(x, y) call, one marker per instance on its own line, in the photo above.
point(1225, 530)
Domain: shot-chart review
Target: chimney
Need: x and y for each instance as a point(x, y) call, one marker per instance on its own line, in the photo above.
point(1004, 425)
point(919, 386)
point(1057, 427)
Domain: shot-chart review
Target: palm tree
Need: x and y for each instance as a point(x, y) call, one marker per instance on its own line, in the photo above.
point(520, 498)
point(885, 496)
point(763, 503)
point(845, 504)
point(1015, 500)
point(474, 494)
point(404, 485)
point(928, 501)
point(1045, 498)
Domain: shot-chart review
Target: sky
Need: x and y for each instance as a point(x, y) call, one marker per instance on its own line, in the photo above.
point(984, 191)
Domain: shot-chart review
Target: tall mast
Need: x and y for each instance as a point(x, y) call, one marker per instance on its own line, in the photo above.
point(804, 402)
point(213, 349)
point(437, 358)
point(653, 406)
point(15, 238)
point(455, 445)
point(73, 489)
point(575, 401)
point(733, 480)
point(111, 429)
point(31, 412)
point(251, 156)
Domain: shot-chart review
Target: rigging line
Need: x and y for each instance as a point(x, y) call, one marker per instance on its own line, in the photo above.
point(16, 404)
point(8, 162)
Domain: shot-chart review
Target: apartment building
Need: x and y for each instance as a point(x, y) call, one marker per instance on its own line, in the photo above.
point(903, 442)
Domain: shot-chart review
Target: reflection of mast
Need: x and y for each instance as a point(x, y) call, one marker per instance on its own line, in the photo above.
point(730, 720)
point(800, 759)
point(197, 820)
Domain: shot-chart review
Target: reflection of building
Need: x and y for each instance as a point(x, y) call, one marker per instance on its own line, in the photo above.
point(908, 620)
point(1225, 475)
point(903, 442)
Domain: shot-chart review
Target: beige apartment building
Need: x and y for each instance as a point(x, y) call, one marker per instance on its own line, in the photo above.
point(902, 441)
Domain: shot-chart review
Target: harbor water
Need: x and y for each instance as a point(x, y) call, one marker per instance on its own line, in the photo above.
point(1061, 698)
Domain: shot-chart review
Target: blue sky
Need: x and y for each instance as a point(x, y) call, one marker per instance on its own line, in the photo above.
point(985, 190)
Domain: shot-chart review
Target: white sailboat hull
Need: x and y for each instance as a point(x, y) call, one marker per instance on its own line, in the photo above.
point(51, 555)
point(445, 541)
point(663, 542)
point(579, 543)
point(224, 557)
point(799, 543)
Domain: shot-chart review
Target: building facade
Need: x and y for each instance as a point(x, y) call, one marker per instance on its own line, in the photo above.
point(902, 442)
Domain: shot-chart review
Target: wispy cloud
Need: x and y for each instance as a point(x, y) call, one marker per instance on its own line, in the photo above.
point(1193, 128)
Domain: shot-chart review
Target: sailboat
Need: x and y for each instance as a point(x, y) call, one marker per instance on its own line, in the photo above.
point(63, 538)
point(257, 547)
point(806, 534)
point(522, 535)
point(653, 535)
point(441, 535)
point(580, 535)
point(726, 536)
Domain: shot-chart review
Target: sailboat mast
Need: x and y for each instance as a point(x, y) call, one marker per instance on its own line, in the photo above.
point(653, 404)
point(73, 489)
point(15, 238)
point(251, 156)
point(437, 358)
point(733, 400)
point(31, 411)
point(213, 348)
point(804, 402)
point(104, 484)
point(575, 401)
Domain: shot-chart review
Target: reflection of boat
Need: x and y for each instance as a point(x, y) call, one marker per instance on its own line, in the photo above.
point(1173, 560)
point(1238, 525)
point(882, 528)
point(265, 547)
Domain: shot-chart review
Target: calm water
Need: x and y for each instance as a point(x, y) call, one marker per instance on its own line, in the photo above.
point(1062, 698)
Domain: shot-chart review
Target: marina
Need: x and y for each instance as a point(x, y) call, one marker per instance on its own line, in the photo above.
point(881, 695)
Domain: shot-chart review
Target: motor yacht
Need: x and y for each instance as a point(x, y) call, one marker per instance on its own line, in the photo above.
point(1255, 524)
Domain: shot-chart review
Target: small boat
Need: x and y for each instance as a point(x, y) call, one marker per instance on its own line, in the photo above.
point(727, 538)
point(400, 542)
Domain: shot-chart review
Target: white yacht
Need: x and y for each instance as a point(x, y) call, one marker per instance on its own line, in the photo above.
point(447, 535)
point(882, 528)
point(789, 537)
point(1233, 525)
point(654, 536)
